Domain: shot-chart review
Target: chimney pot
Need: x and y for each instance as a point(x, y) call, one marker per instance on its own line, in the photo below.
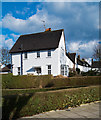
point(78, 56)
point(92, 60)
point(48, 29)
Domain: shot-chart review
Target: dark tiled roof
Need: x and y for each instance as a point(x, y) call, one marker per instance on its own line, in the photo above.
point(82, 63)
point(79, 62)
point(38, 41)
point(96, 64)
point(71, 56)
point(7, 68)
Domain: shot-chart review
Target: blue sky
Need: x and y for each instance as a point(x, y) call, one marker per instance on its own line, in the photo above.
point(80, 21)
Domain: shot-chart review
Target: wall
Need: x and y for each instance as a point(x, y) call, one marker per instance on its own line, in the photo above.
point(16, 62)
point(62, 54)
point(33, 61)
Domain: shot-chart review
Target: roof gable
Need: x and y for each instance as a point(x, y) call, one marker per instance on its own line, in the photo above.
point(71, 56)
point(38, 41)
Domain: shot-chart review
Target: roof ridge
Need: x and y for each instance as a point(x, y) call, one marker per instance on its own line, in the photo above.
point(42, 32)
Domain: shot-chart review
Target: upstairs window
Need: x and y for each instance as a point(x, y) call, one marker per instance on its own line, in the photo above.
point(25, 55)
point(49, 69)
point(49, 53)
point(38, 54)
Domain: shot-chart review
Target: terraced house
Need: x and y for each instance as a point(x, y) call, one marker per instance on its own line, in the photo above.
point(40, 54)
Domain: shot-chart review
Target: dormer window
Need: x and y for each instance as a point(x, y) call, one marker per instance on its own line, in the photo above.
point(25, 55)
point(49, 53)
point(38, 54)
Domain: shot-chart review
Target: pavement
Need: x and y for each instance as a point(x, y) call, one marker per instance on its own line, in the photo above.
point(85, 112)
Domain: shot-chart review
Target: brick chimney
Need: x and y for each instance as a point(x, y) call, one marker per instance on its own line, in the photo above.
point(48, 29)
point(78, 57)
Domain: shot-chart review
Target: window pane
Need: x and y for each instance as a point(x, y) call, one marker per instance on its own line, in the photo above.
point(49, 66)
point(49, 72)
point(49, 53)
point(26, 55)
point(38, 54)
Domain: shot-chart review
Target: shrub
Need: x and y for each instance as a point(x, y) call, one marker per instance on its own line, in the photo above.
point(90, 73)
point(78, 70)
point(72, 73)
point(15, 106)
point(24, 82)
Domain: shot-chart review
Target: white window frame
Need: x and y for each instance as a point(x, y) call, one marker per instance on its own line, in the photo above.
point(49, 69)
point(49, 53)
point(38, 54)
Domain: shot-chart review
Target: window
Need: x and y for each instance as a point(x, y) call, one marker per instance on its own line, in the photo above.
point(26, 55)
point(65, 70)
point(49, 53)
point(62, 69)
point(18, 70)
point(49, 69)
point(38, 54)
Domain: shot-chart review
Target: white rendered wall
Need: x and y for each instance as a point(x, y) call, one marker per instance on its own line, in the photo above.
point(62, 58)
point(43, 62)
point(16, 62)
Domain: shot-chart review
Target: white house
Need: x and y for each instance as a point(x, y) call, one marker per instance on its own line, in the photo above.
point(82, 64)
point(40, 54)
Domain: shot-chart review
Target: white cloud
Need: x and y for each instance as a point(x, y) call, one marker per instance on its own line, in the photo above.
point(9, 43)
point(84, 49)
point(14, 36)
point(6, 41)
point(32, 24)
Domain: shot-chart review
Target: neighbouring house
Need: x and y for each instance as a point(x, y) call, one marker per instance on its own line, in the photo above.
point(71, 59)
point(96, 65)
point(82, 64)
point(6, 69)
point(41, 54)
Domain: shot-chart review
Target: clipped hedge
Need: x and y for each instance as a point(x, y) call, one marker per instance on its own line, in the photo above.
point(23, 82)
point(15, 106)
point(44, 81)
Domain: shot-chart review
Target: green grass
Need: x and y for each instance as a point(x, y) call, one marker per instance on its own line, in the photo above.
point(15, 106)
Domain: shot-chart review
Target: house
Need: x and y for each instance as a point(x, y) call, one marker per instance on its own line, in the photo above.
point(6, 69)
point(71, 59)
point(96, 65)
point(82, 64)
point(40, 54)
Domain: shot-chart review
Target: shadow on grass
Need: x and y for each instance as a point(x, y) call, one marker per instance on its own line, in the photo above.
point(12, 106)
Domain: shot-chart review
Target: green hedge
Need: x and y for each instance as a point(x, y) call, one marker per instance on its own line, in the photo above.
point(15, 106)
point(25, 81)
point(44, 81)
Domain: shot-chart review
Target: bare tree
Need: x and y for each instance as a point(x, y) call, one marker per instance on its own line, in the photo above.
point(5, 57)
point(97, 52)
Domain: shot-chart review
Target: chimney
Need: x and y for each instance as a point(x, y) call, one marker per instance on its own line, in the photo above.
point(78, 56)
point(83, 59)
point(48, 29)
point(92, 60)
